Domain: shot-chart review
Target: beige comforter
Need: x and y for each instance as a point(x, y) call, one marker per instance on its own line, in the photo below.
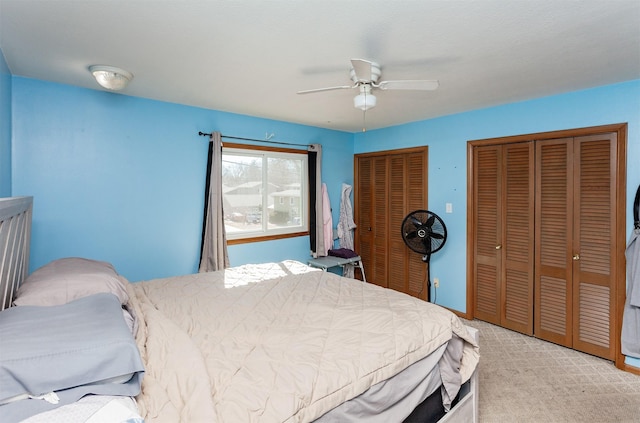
point(276, 342)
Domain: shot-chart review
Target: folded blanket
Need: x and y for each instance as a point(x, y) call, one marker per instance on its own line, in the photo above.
point(343, 253)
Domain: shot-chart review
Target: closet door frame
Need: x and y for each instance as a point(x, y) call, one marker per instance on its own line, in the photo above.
point(619, 288)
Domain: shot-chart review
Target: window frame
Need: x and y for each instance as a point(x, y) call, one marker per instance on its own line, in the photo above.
point(267, 235)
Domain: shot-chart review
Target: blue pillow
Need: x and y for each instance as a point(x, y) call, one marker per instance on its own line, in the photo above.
point(61, 353)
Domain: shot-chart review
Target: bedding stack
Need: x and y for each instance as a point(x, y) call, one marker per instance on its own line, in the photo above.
point(69, 338)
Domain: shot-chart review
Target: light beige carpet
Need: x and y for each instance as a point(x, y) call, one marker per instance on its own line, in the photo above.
point(526, 380)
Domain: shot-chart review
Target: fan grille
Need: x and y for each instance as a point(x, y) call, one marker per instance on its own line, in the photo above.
point(424, 232)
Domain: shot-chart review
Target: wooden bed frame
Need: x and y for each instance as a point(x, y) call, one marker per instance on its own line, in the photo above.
point(15, 235)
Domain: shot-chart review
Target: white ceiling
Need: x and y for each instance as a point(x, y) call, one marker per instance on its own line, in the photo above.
point(252, 56)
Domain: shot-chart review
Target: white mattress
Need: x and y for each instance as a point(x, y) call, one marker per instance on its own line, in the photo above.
point(92, 409)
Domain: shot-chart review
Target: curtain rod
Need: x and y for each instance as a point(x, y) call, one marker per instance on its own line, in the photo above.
point(204, 134)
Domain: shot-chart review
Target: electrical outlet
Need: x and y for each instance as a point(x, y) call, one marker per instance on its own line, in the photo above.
point(436, 282)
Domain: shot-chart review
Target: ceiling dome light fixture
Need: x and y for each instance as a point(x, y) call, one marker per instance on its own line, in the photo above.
point(365, 100)
point(110, 77)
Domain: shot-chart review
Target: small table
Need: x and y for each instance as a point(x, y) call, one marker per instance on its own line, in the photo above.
point(326, 262)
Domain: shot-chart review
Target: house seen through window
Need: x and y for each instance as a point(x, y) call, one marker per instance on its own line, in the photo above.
point(265, 192)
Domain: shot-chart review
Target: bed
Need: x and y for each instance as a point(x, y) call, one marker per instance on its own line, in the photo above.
point(267, 342)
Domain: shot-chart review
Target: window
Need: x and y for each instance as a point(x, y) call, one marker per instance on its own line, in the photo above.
point(265, 192)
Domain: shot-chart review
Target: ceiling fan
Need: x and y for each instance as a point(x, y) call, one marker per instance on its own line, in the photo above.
point(365, 75)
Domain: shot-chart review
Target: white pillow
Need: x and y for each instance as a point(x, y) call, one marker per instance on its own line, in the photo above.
point(68, 279)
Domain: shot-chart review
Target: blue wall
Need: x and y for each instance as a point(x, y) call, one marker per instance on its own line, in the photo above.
point(5, 128)
point(121, 178)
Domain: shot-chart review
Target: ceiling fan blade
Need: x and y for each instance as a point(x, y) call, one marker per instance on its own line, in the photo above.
point(436, 235)
point(362, 69)
point(318, 90)
point(409, 84)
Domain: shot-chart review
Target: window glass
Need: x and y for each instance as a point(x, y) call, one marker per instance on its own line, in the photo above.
point(264, 192)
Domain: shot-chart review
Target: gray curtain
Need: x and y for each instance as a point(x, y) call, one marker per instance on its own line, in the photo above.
point(214, 254)
point(316, 233)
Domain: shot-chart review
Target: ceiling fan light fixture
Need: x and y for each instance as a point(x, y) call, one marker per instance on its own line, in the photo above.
point(365, 100)
point(110, 77)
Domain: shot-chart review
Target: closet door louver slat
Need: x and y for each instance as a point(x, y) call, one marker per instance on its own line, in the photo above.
point(416, 165)
point(398, 278)
point(518, 240)
point(594, 241)
point(487, 258)
point(364, 224)
point(379, 219)
point(407, 181)
point(554, 210)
